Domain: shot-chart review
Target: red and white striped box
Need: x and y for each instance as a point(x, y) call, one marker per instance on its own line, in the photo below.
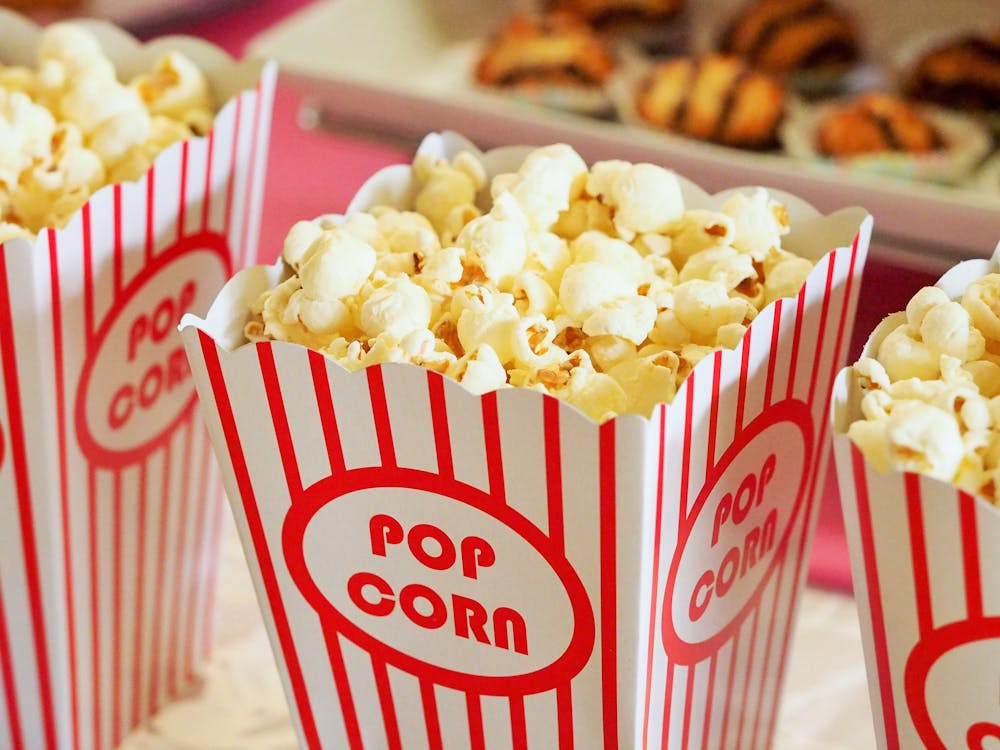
point(110, 504)
point(925, 557)
point(443, 570)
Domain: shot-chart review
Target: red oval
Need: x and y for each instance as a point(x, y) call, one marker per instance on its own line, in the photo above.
point(144, 283)
point(921, 660)
point(326, 491)
point(789, 411)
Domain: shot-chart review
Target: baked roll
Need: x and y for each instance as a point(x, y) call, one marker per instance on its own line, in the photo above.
point(781, 36)
point(874, 123)
point(717, 98)
point(963, 73)
point(545, 49)
point(611, 14)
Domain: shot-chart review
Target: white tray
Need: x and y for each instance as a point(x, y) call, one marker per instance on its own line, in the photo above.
point(402, 68)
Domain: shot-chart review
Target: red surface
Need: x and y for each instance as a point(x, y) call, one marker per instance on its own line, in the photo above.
point(312, 173)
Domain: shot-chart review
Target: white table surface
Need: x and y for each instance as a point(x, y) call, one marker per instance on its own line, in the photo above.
point(240, 704)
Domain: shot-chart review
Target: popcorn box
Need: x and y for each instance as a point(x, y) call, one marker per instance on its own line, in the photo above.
point(439, 569)
point(924, 560)
point(109, 515)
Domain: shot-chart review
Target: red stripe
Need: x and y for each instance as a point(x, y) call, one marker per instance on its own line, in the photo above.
point(279, 418)
point(494, 453)
point(564, 716)
point(655, 588)
point(88, 275)
point(117, 192)
point(60, 388)
point(686, 468)
point(553, 473)
point(207, 200)
point(385, 703)
point(759, 686)
point(206, 552)
point(970, 556)
point(215, 544)
point(252, 171)
point(730, 687)
point(116, 609)
point(772, 360)
point(95, 610)
point(439, 418)
point(709, 698)
point(688, 700)
point(518, 725)
point(474, 710)
point(741, 397)
point(380, 413)
point(7, 673)
point(182, 208)
point(767, 651)
point(433, 724)
point(138, 666)
point(233, 159)
point(182, 564)
point(339, 671)
point(921, 572)
point(821, 333)
point(713, 411)
point(327, 414)
point(796, 338)
point(24, 504)
point(609, 588)
point(668, 702)
point(875, 600)
point(151, 212)
point(259, 540)
point(160, 574)
point(824, 424)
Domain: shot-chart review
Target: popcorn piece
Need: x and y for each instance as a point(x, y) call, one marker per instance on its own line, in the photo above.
point(982, 301)
point(298, 241)
point(480, 371)
point(175, 88)
point(587, 286)
point(630, 318)
point(533, 296)
point(947, 329)
point(924, 439)
point(703, 307)
point(758, 222)
point(448, 193)
point(548, 180)
point(336, 265)
point(488, 318)
point(643, 197)
point(616, 254)
point(532, 343)
point(647, 381)
point(495, 244)
point(904, 356)
point(698, 230)
point(395, 309)
point(922, 302)
point(786, 278)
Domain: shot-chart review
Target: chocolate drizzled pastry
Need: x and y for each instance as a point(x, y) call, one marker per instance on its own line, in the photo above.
point(781, 36)
point(874, 123)
point(544, 49)
point(963, 73)
point(716, 98)
point(612, 14)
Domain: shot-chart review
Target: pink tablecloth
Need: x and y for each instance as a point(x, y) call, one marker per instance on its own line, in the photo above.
point(311, 173)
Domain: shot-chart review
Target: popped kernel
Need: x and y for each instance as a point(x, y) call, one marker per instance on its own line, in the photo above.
point(596, 286)
point(68, 126)
point(931, 393)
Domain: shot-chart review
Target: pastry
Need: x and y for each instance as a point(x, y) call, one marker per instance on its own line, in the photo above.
point(545, 49)
point(717, 98)
point(874, 123)
point(963, 73)
point(782, 36)
point(609, 14)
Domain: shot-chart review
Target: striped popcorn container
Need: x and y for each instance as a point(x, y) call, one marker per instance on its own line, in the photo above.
point(925, 558)
point(438, 569)
point(110, 504)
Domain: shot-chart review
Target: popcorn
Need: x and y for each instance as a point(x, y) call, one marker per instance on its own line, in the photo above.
point(595, 286)
point(931, 395)
point(70, 126)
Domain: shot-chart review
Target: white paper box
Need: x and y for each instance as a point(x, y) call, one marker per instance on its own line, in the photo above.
point(109, 501)
point(925, 558)
point(442, 570)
